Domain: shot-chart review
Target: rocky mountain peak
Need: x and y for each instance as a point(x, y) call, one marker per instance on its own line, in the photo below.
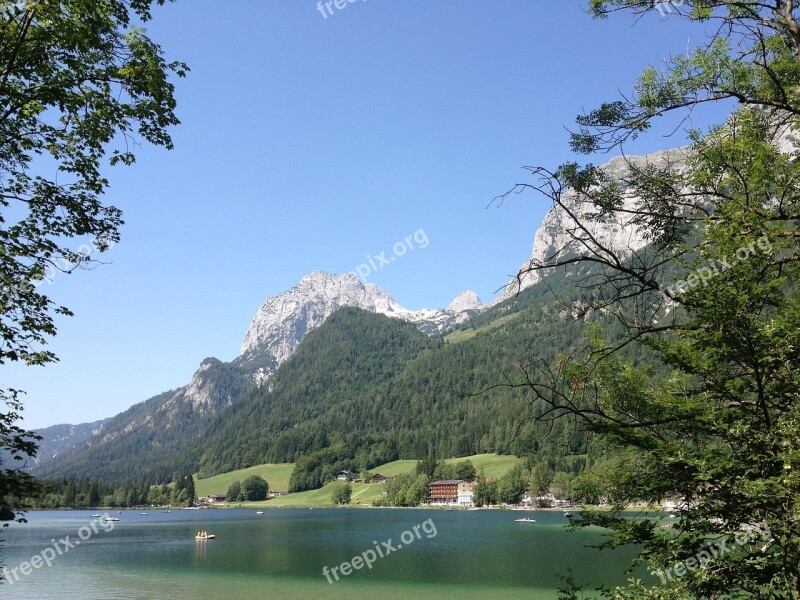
point(553, 237)
point(466, 300)
point(283, 320)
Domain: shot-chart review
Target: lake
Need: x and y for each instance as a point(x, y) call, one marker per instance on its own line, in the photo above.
point(282, 553)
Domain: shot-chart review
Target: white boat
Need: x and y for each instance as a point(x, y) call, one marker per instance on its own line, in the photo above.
point(115, 519)
point(525, 520)
point(259, 512)
point(143, 514)
point(96, 516)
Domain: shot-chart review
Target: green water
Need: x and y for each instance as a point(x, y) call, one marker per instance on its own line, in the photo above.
point(282, 553)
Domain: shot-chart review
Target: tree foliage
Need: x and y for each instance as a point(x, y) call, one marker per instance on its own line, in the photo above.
point(234, 493)
point(713, 295)
point(254, 488)
point(406, 489)
point(80, 86)
point(541, 478)
point(77, 80)
point(465, 470)
point(95, 494)
point(16, 446)
point(341, 494)
point(183, 492)
point(485, 493)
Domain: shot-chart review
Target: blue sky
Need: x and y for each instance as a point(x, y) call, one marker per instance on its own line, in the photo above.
point(309, 143)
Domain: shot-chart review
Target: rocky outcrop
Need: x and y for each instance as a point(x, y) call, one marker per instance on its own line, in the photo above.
point(283, 321)
point(553, 238)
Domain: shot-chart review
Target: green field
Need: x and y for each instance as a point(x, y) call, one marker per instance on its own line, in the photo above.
point(277, 476)
point(490, 465)
point(493, 465)
point(462, 335)
point(395, 468)
point(363, 494)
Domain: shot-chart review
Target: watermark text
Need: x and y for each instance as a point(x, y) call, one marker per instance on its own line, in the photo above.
point(382, 550)
point(418, 239)
point(57, 548)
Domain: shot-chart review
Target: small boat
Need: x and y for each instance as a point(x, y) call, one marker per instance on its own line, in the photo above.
point(204, 535)
point(567, 514)
point(259, 512)
point(673, 516)
point(114, 519)
point(95, 516)
point(525, 520)
point(143, 514)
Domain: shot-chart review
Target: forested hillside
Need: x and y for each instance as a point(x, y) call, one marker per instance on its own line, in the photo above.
point(365, 389)
point(131, 449)
point(371, 389)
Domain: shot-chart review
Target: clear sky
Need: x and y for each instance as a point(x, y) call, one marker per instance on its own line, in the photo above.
point(309, 143)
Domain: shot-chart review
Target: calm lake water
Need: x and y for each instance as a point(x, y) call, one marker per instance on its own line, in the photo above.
point(281, 554)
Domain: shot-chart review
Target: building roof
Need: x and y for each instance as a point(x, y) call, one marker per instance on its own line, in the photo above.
point(447, 482)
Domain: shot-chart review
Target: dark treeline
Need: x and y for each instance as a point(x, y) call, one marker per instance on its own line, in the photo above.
point(95, 494)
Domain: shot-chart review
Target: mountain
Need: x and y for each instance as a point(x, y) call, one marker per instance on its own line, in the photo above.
point(365, 389)
point(557, 237)
point(175, 429)
point(59, 439)
point(465, 302)
point(336, 365)
point(283, 321)
point(143, 441)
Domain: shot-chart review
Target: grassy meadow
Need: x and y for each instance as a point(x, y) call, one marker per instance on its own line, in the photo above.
point(277, 476)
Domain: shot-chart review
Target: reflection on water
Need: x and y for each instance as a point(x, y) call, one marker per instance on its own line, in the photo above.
point(200, 549)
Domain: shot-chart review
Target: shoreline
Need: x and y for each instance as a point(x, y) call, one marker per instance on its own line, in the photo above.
point(259, 505)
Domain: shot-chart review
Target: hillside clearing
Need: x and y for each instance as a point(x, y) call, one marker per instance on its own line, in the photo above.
point(277, 476)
